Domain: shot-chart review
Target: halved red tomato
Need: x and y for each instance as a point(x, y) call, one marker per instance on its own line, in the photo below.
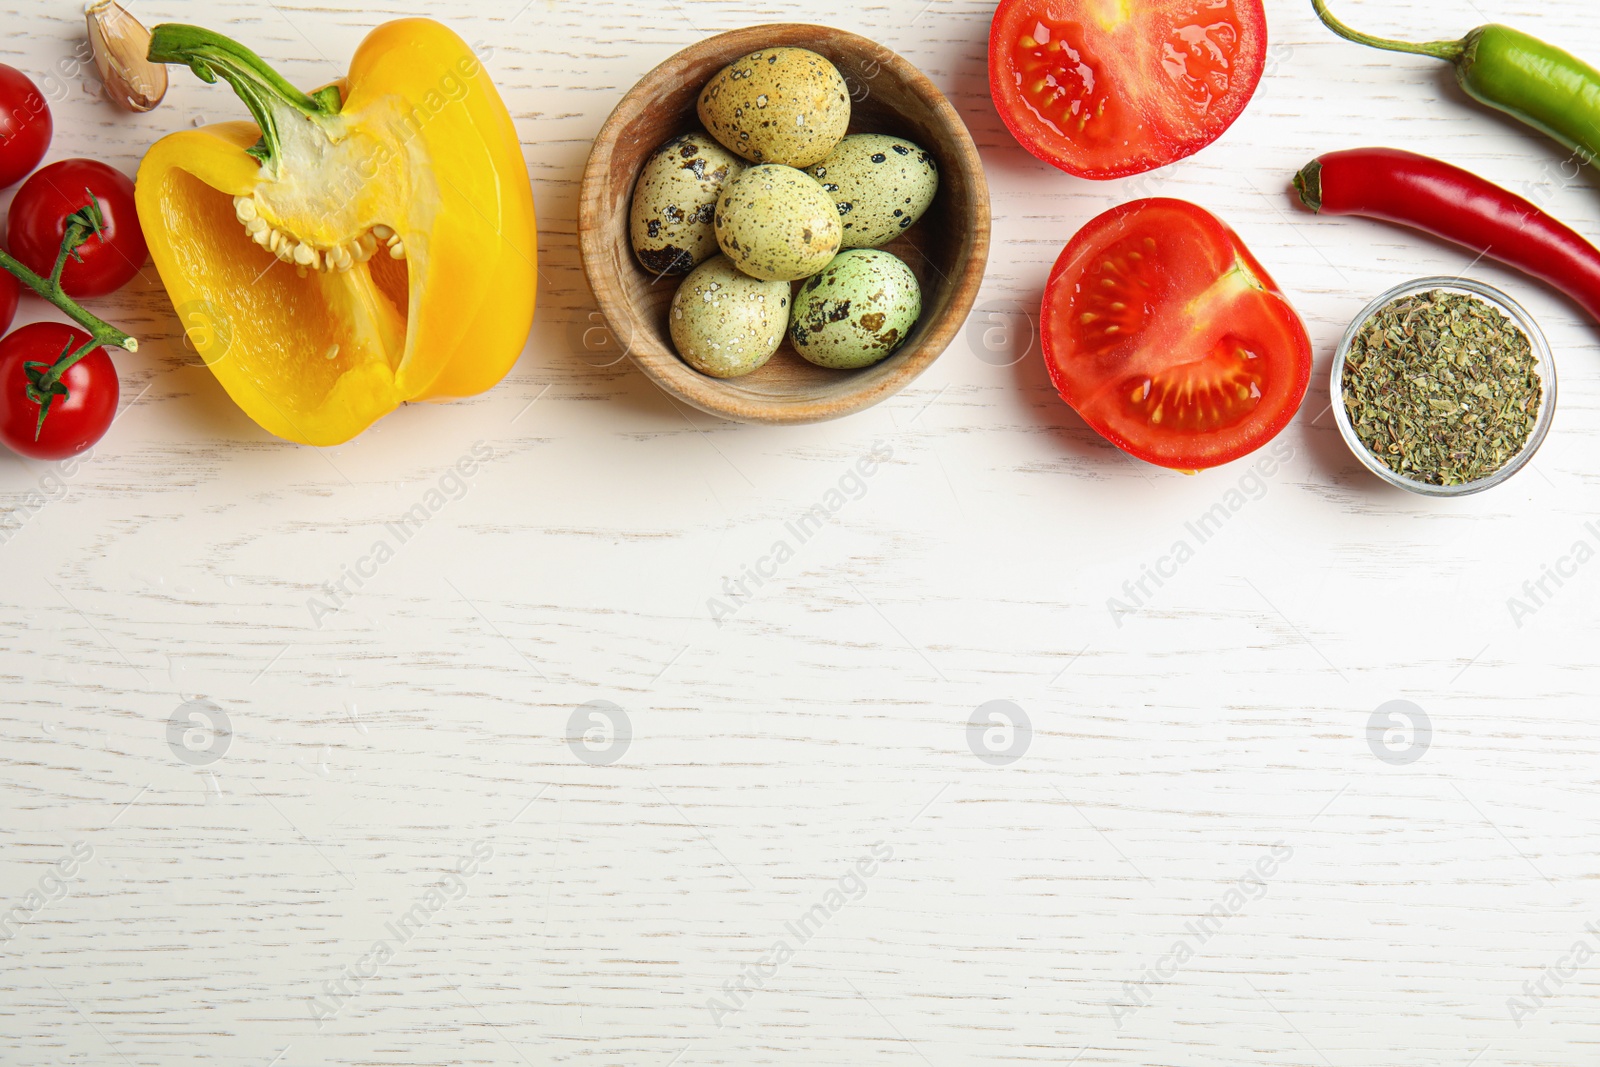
point(1163, 331)
point(1106, 88)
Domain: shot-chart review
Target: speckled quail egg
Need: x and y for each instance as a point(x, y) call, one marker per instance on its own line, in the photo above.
point(856, 311)
point(778, 105)
point(881, 185)
point(725, 323)
point(776, 223)
point(674, 201)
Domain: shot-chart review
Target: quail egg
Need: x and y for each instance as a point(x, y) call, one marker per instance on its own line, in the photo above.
point(778, 105)
point(725, 323)
point(881, 185)
point(856, 311)
point(674, 201)
point(776, 223)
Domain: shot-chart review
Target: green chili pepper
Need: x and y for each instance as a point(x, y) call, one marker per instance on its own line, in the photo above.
point(1547, 88)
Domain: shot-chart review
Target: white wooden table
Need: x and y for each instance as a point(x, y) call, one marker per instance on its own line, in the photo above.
point(1198, 851)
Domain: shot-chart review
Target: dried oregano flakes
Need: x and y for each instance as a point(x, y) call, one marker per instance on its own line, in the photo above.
point(1441, 387)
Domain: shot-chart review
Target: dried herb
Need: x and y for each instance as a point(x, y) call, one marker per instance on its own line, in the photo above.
point(1442, 387)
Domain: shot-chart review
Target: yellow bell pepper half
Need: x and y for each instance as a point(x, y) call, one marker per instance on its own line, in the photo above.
point(370, 243)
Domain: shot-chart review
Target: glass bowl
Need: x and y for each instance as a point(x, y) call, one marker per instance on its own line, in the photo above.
point(1545, 368)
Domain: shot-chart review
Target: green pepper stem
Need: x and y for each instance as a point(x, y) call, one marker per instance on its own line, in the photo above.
point(263, 90)
point(1449, 51)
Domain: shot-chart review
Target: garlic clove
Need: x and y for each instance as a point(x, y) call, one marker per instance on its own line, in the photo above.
point(120, 44)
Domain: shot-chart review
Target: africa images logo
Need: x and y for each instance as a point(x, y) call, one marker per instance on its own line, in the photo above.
point(1248, 888)
point(849, 487)
point(450, 486)
point(847, 888)
point(1252, 486)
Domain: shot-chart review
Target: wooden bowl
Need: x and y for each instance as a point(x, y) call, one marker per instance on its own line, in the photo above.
point(947, 248)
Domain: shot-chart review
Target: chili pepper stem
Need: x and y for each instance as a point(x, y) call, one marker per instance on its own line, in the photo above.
point(1308, 184)
point(1449, 51)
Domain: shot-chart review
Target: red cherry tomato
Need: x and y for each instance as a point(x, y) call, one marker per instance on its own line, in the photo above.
point(1103, 90)
point(1168, 337)
point(38, 219)
point(25, 126)
point(10, 290)
point(76, 421)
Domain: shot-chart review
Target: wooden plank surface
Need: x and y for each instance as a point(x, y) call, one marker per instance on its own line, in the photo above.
point(403, 852)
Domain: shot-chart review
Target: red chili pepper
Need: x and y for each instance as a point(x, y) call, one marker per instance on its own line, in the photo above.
point(1456, 205)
